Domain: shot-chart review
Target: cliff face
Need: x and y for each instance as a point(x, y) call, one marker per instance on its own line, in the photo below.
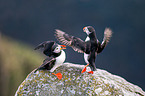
point(43, 83)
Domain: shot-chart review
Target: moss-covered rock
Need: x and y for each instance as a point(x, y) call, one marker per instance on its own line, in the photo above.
point(43, 83)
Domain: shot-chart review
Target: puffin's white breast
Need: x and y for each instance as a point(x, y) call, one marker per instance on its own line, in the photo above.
point(87, 39)
point(59, 60)
point(86, 56)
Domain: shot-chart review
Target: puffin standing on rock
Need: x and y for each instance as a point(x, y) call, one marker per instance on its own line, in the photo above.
point(90, 47)
point(56, 56)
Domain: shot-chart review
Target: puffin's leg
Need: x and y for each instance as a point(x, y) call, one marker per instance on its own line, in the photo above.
point(92, 61)
point(93, 68)
point(58, 75)
point(85, 68)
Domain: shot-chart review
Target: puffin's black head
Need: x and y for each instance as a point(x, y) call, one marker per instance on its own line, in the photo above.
point(88, 29)
point(56, 48)
point(50, 48)
point(53, 49)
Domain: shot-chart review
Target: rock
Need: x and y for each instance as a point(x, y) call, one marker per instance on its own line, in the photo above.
point(43, 83)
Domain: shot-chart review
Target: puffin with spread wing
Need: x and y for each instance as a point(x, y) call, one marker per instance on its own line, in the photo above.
point(90, 47)
point(56, 56)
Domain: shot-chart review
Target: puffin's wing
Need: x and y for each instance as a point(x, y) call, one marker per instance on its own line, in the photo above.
point(106, 39)
point(43, 44)
point(48, 63)
point(76, 43)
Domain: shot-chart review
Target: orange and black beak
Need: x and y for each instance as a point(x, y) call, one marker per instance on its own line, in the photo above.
point(84, 29)
point(62, 47)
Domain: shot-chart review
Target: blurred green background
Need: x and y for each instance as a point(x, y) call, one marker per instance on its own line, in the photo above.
point(30, 22)
point(17, 60)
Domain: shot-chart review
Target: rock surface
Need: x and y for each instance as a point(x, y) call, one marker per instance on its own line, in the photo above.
point(73, 83)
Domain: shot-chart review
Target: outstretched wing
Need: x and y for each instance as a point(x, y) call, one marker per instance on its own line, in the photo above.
point(46, 47)
point(106, 39)
point(76, 43)
point(48, 63)
point(44, 44)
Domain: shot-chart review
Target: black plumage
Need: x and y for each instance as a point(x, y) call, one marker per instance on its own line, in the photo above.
point(48, 63)
point(47, 47)
point(52, 50)
point(90, 47)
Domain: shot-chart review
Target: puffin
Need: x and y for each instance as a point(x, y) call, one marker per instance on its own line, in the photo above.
point(55, 56)
point(91, 47)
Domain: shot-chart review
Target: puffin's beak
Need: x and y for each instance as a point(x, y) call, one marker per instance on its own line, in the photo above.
point(62, 47)
point(84, 29)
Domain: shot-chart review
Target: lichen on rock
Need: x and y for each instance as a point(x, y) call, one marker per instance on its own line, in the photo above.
point(73, 83)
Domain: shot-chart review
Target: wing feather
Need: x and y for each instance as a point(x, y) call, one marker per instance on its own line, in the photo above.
point(48, 63)
point(106, 39)
point(76, 43)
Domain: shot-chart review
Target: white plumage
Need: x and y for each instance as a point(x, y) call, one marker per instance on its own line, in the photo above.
point(59, 60)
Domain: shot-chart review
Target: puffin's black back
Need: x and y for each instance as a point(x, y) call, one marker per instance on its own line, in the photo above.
point(48, 48)
point(49, 62)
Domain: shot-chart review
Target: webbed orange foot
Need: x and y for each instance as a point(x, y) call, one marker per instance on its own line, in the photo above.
point(91, 72)
point(58, 75)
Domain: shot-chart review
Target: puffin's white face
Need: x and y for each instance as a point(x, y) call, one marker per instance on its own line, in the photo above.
point(57, 49)
point(85, 29)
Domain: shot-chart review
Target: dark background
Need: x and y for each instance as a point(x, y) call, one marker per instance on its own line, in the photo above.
point(34, 21)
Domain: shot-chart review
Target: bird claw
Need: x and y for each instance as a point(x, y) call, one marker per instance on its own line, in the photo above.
point(58, 75)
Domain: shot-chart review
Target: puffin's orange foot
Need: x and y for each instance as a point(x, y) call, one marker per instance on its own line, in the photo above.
point(91, 72)
point(58, 75)
point(84, 68)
